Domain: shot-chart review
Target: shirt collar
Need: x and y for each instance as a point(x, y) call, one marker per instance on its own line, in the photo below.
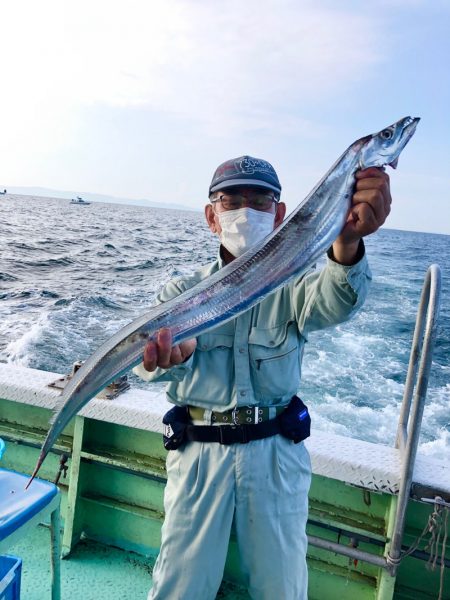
point(220, 259)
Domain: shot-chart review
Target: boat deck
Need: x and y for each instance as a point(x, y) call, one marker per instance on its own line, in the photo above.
point(92, 572)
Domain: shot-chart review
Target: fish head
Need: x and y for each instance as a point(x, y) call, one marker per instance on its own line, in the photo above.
point(384, 148)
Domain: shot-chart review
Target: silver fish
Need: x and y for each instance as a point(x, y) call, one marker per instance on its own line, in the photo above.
point(287, 252)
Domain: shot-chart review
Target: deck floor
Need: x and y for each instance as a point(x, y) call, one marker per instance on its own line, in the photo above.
point(92, 572)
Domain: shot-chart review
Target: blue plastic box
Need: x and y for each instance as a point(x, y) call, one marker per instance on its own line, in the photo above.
point(10, 573)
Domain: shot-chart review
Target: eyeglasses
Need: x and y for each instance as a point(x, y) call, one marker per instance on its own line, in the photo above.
point(257, 201)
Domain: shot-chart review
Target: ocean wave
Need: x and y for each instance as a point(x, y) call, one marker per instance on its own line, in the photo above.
point(87, 302)
point(19, 351)
point(26, 294)
point(8, 277)
point(64, 261)
point(439, 447)
point(21, 246)
point(147, 264)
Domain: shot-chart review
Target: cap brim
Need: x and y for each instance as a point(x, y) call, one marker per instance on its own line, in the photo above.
point(244, 183)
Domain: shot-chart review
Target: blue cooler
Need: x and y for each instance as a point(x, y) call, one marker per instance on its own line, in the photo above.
point(10, 573)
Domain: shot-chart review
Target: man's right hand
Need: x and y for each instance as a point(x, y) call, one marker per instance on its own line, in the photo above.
point(160, 352)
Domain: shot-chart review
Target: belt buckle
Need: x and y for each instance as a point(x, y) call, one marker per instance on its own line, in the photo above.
point(234, 415)
point(232, 434)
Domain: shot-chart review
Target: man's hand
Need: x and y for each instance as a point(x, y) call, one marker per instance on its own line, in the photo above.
point(371, 204)
point(161, 353)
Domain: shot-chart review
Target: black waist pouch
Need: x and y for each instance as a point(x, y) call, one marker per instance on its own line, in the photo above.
point(295, 422)
point(175, 422)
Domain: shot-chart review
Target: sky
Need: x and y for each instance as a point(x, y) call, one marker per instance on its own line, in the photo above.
point(143, 99)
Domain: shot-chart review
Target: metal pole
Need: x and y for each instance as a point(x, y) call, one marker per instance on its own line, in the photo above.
point(430, 303)
point(402, 429)
point(354, 553)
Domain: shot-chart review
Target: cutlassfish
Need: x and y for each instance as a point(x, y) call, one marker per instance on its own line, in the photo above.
point(287, 252)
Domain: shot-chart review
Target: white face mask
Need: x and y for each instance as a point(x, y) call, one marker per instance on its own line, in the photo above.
point(243, 228)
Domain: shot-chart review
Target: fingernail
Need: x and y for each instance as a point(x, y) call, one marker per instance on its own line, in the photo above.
point(164, 334)
point(150, 352)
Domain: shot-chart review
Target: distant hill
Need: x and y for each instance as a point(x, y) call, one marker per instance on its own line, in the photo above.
point(49, 193)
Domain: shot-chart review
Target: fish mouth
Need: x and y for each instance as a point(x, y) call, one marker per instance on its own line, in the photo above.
point(408, 129)
point(408, 125)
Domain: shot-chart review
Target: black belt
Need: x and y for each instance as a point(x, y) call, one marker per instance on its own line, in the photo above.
point(232, 434)
point(293, 423)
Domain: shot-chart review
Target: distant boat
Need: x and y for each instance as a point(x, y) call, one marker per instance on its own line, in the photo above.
point(79, 200)
point(3, 193)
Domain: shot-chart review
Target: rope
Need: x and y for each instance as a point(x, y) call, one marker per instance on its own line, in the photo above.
point(444, 543)
point(437, 526)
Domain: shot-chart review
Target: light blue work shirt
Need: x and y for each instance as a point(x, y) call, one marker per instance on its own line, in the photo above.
point(255, 359)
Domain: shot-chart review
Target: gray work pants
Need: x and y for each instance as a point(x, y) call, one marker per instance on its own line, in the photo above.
point(264, 486)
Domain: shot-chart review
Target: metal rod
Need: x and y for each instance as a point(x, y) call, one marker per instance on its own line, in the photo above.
point(429, 303)
point(366, 539)
point(360, 537)
point(354, 553)
point(402, 430)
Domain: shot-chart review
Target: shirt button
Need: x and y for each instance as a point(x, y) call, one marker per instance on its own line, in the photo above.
point(241, 350)
point(243, 393)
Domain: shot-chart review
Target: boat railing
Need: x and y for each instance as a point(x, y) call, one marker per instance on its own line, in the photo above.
point(411, 412)
point(409, 425)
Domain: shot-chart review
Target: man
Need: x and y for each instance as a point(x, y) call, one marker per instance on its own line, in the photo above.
point(246, 373)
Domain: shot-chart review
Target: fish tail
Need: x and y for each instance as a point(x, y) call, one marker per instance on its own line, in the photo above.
point(36, 469)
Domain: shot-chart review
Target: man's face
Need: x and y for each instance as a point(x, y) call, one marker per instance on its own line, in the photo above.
point(239, 197)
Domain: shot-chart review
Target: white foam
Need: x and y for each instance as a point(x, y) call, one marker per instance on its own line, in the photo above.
point(438, 448)
point(18, 351)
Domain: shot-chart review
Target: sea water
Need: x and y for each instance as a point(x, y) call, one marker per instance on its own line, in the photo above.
point(71, 276)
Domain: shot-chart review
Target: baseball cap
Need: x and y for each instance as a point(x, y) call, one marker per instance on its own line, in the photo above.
point(245, 171)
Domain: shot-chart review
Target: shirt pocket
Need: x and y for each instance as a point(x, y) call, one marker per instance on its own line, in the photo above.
point(275, 355)
point(211, 381)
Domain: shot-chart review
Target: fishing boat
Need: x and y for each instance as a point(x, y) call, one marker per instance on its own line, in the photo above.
point(79, 200)
point(378, 515)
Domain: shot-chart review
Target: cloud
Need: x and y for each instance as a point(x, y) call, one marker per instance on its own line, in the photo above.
point(225, 66)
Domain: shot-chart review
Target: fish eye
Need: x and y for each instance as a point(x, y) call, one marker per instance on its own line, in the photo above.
point(386, 134)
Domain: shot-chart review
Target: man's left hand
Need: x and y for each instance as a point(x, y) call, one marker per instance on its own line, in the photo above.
point(371, 204)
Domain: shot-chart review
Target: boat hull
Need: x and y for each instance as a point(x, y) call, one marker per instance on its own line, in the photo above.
point(113, 491)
